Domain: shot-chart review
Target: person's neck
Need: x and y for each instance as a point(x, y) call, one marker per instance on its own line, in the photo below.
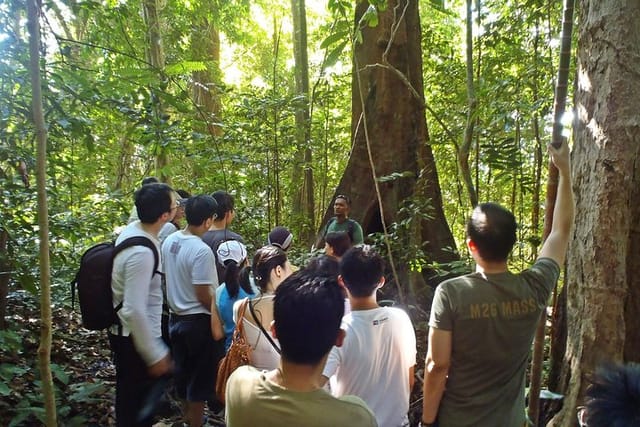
point(363, 303)
point(297, 377)
point(341, 218)
point(195, 230)
point(218, 225)
point(152, 229)
point(491, 267)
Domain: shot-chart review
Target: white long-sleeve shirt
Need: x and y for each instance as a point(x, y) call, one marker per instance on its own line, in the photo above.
point(141, 293)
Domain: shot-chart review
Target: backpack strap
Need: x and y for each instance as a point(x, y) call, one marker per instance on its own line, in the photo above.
point(326, 227)
point(137, 241)
point(140, 241)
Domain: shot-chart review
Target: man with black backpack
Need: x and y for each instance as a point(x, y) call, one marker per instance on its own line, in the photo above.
point(140, 355)
point(342, 222)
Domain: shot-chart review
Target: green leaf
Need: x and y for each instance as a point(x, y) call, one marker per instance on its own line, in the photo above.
point(184, 68)
point(334, 55)
point(59, 373)
point(4, 389)
point(333, 38)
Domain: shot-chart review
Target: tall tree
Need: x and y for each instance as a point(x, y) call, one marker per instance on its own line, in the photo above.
point(44, 349)
point(604, 256)
point(389, 129)
point(303, 202)
point(155, 56)
point(472, 106)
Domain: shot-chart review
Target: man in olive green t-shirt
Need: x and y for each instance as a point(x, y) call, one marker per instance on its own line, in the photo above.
point(482, 324)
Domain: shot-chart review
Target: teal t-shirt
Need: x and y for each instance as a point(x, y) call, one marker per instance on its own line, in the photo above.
point(493, 318)
point(334, 226)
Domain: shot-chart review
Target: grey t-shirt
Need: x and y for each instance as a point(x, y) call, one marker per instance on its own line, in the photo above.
point(493, 318)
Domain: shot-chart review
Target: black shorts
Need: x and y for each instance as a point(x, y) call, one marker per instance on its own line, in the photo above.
point(194, 354)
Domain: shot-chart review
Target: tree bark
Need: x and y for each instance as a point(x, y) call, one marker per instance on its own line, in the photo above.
point(603, 269)
point(205, 47)
point(389, 63)
point(44, 349)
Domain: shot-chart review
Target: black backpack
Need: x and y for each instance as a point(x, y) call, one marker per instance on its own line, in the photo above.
point(93, 281)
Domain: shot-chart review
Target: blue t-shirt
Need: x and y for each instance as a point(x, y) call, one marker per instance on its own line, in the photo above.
point(225, 307)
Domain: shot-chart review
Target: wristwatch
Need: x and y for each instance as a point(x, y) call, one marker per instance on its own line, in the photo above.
point(423, 424)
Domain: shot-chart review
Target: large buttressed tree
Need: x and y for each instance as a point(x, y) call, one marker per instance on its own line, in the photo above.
point(604, 254)
point(388, 117)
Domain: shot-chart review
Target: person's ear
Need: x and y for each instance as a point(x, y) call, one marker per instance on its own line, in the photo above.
point(340, 338)
point(472, 245)
point(272, 328)
point(381, 282)
point(341, 281)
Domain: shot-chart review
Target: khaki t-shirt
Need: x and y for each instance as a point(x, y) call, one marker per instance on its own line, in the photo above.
point(252, 400)
point(493, 318)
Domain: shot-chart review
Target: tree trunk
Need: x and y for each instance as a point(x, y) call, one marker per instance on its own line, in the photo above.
point(303, 203)
point(5, 275)
point(205, 47)
point(603, 269)
point(472, 106)
point(388, 78)
point(557, 139)
point(155, 55)
point(44, 349)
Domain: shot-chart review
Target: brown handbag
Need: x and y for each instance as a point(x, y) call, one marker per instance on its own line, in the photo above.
point(239, 354)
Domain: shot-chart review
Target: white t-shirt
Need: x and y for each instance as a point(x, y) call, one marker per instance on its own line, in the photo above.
point(166, 230)
point(132, 283)
point(374, 361)
point(188, 262)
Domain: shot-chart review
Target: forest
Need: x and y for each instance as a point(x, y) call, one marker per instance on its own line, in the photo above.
point(418, 110)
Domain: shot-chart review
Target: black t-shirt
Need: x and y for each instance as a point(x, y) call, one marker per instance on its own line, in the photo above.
point(213, 238)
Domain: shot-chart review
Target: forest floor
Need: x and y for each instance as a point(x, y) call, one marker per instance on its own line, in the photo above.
point(84, 375)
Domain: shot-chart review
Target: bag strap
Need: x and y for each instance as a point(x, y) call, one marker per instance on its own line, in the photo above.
point(127, 243)
point(239, 326)
point(140, 241)
point(253, 313)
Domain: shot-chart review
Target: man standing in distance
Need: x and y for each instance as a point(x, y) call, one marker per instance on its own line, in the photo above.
point(342, 222)
point(219, 231)
point(140, 355)
point(482, 324)
point(191, 281)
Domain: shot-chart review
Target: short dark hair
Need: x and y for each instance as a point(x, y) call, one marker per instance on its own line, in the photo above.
point(613, 397)
point(183, 193)
point(307, 312)
point(361, 269)
point(149, 180)
point(344, 197)
point(152, 201)
point(225, 203)
point(266, 259)
point(493, 230)
point(200, 208)
point(323, 265)
point(339, 241)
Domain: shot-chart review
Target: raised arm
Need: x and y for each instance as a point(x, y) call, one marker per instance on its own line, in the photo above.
point(555, 246)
